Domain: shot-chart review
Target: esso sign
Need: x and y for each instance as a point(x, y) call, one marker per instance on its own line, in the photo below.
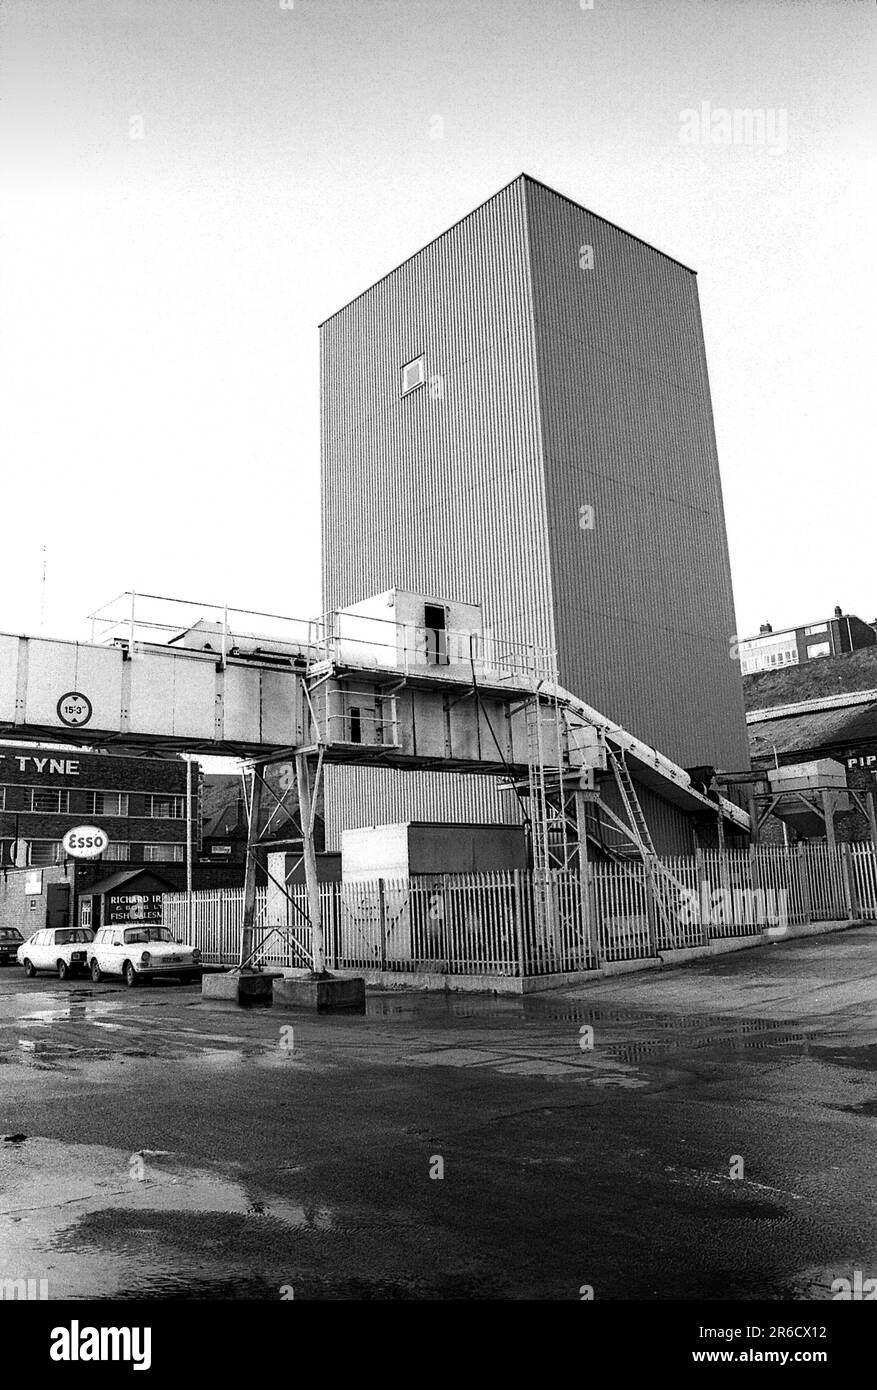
point(85, 842)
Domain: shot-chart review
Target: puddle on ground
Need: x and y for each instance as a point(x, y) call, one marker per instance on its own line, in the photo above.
point(438, 1004)
point(864, 1058)
point(867, 1108)
point(98, 1222)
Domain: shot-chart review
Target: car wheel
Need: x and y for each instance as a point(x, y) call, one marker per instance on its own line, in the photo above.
point(96, 972)
point(29, 969)
point(63, 970)
point(130, 974)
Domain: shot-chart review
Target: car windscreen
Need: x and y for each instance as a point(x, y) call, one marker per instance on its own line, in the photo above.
point(71, 936)
point(136, 936)
point(10, 934)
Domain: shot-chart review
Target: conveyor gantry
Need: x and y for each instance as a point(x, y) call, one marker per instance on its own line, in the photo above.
point(354, 688)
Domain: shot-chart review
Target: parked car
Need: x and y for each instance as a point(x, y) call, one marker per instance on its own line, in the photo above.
point(10, 940)
point(63, 950)
point(139, 952)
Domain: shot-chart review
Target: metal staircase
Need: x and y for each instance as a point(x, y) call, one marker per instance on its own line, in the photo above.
point(670, 895)
point(559, 898)
point(630, 802)
point(537, 783)
point(545, 775)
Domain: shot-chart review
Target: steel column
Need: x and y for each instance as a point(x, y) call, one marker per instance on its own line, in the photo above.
point(255, 809)
point(581, 804)
point(828, 815)
point(303, 782)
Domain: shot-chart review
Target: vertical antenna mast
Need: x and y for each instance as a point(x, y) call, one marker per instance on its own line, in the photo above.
point(43, 594)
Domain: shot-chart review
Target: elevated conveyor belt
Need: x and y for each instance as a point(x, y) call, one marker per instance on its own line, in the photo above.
point(266, 704)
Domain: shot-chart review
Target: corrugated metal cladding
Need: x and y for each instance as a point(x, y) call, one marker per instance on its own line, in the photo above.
point(549, 387)
point(671, 829)
point(643, 602)
point(440, 491)
point(357, 796)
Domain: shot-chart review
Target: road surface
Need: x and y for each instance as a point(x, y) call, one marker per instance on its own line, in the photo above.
point(713, 1137)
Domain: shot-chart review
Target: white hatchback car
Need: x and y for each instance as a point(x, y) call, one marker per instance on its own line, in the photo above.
point(139, 952)
point(63, 950)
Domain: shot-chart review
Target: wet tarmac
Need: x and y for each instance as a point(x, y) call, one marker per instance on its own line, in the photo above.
point(707, 1132)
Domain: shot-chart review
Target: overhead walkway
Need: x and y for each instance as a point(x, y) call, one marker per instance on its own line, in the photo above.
point(351, 687)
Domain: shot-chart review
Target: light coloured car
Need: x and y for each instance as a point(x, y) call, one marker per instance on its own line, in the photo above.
point(63, 950)
point(139, 952)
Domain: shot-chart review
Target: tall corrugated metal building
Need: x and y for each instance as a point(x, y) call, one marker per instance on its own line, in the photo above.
point(557, 465)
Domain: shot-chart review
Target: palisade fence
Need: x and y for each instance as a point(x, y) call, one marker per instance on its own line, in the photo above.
point(517, 923)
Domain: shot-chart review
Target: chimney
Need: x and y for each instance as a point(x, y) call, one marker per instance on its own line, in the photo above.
point(765, 627)
point(838, 611)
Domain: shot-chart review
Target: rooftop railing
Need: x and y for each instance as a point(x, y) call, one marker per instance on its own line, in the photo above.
point(339, 638)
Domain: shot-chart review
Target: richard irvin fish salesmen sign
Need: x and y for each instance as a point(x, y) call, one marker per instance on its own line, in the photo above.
point(128, 908)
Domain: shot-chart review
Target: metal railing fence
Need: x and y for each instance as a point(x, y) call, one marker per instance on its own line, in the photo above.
point(517, 923)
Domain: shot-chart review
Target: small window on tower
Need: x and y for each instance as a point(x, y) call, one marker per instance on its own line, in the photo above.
point(413, 375)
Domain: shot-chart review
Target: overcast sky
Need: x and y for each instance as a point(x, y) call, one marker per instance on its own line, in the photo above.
point(190, 186)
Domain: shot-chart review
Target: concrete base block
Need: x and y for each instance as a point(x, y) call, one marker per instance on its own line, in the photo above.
point(323, 996)
point(680, 954)
point(722, 945)
point(627, 967)
point(426, 980)
point(239, 989)
point(540, 984)
point(794, 929)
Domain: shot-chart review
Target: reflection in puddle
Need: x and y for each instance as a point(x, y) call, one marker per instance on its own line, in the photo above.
point(103, 1223)
point(433, 1005)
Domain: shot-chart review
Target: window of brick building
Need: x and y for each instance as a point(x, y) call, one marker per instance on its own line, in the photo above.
point(42, 853)
point(49, 800)
point(166, 807)
point(174, 854)
point(106, 803)
point(117, 852)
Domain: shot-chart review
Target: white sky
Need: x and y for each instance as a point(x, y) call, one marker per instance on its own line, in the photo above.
point(159, 297)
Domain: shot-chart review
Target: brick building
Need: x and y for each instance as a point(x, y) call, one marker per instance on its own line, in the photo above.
point(223, 837)
point(793, 646)
point(139, 801)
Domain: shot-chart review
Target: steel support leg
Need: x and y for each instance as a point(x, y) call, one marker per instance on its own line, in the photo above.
point(828, 816)
point(250, 869)
point(584, 867)
point(303, 781)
